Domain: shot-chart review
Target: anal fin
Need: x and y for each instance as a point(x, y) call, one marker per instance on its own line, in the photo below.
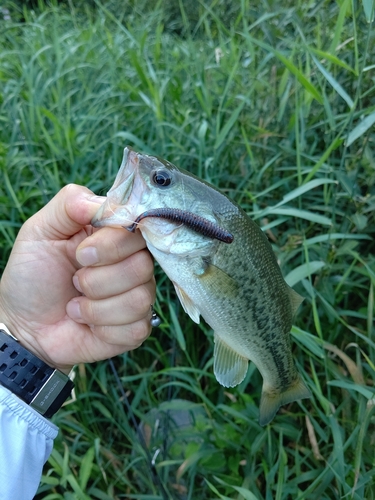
point(229, 367)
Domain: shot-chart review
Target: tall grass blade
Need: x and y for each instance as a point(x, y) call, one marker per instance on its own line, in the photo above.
point(295, 212)
point(303, 271)
point(332, 58)
point(300, 190)
point(327, 153)
point(334, 83)
point(360, 129)
point(228, 125)
point(311, 88)
point(369, 9)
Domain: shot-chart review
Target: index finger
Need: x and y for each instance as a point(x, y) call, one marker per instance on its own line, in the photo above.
point(109, 245)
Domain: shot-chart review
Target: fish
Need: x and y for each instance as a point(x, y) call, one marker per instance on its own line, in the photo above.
point(223, 269)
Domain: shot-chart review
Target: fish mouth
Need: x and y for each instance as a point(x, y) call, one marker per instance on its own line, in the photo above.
point(114, 212)
point(108, 215)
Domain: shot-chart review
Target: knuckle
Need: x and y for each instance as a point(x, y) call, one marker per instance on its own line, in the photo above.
point(139, 331)
point(142, 266)
point(115, 249)
point(89, 285)
point(142, 299)
point(90, 312)
point(103, 332)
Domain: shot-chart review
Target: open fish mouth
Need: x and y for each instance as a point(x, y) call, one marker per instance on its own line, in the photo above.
point(189, 219)
point(108, 214)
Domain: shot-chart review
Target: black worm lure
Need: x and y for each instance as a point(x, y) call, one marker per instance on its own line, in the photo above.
point(192, 221)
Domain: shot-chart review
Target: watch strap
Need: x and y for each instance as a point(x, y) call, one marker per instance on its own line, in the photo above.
point(31, 379)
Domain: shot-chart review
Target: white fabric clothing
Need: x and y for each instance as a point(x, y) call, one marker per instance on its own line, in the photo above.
point(26, 441)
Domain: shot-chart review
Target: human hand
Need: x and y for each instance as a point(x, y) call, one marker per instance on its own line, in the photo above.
point(66, 313)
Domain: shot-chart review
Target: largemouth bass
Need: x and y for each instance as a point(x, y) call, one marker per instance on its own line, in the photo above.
point(222, 267)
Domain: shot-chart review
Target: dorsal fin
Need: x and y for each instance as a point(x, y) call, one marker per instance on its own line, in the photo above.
point(295, 300)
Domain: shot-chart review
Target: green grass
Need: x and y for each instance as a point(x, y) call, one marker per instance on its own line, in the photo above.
point(273, 103)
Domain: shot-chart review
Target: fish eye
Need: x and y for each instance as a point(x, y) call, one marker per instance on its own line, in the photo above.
point(161, 178)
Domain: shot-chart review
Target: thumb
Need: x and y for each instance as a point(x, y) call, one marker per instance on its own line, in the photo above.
point(72, 208)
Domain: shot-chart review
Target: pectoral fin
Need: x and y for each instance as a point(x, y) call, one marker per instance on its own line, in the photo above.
point(229, 367)
point(189, 307)
point(218, 282)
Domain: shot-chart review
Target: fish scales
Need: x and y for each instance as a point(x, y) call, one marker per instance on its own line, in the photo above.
point(237, 287)
point(254, 305)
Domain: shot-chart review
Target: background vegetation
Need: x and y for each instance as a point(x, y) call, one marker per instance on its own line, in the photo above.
point(274, 103)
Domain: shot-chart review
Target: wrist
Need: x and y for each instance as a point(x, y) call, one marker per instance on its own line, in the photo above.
point(27, 339)
point(29, 378)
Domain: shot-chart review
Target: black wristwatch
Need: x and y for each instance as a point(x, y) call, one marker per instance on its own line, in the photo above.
point(31, 379)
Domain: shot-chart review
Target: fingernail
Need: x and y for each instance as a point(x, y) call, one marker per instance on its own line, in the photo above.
point(97, 199)
point(73, 310)
point(87, 256)
point(76, 283)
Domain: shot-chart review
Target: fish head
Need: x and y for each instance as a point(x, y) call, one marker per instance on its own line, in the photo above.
point(145, 183)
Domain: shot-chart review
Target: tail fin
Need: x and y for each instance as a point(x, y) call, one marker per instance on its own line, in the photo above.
point(271, 402)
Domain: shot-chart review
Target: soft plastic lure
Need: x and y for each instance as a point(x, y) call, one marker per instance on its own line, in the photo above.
point(192, 221)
